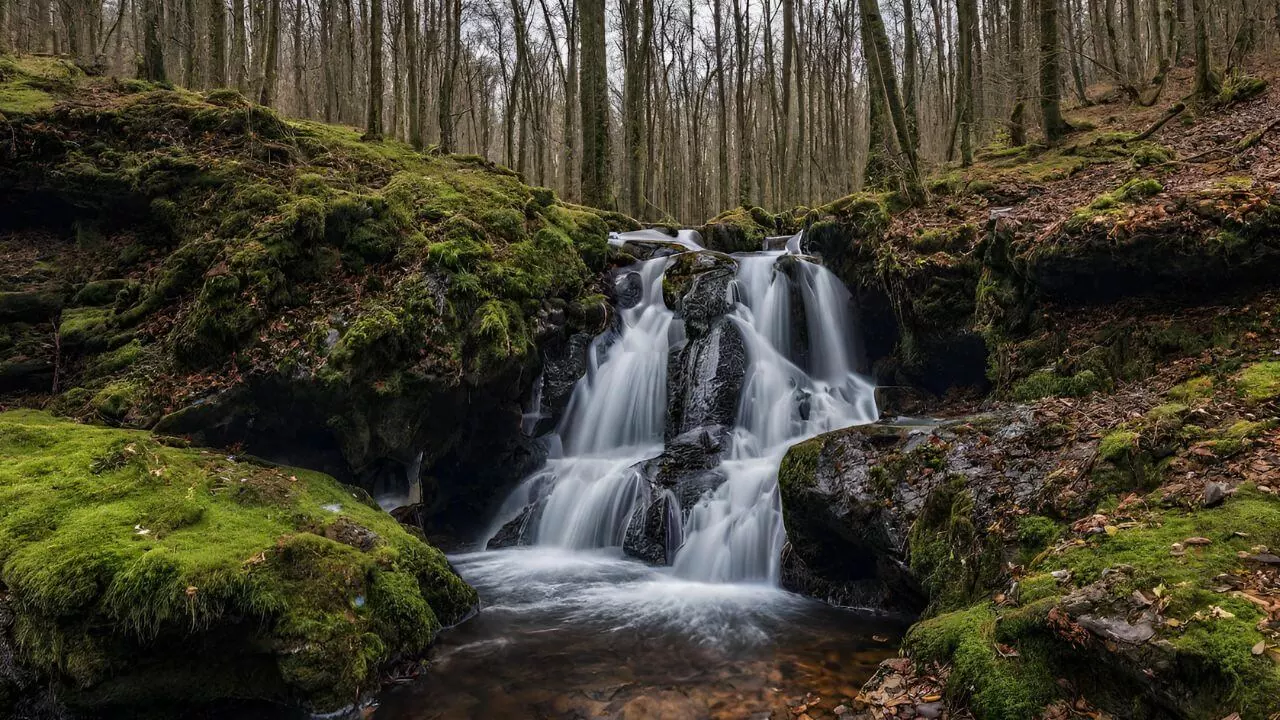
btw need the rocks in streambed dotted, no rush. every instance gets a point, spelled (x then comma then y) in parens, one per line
(145, 575)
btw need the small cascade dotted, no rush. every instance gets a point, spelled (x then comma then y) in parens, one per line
(763, 356)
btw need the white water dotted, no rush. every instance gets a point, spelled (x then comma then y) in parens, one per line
(615, 420)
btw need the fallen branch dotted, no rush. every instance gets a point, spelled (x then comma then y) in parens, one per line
(1251, 140)
(1169, 114)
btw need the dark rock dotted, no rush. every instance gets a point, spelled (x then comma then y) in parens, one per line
(31, 307)
(705, 381)
(1215, 493)
(653, 534)
(696, 286)
(519, 530)
(628, 290)
(563, 364)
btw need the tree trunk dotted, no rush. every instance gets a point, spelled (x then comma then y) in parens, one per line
(153, 49)
(722, 108)
(965, 16)
(217, 43)
(882, 59)
(239, 46)
(189, 74)
(271, 61)
(595, 104)
(411, 59)
(1017, 119)
(1206, 84)
(373, 115)
(451, 19)
(1055, 127)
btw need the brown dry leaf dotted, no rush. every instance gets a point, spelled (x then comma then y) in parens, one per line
(1260, 648)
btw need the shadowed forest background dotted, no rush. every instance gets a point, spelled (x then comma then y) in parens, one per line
(670, 110)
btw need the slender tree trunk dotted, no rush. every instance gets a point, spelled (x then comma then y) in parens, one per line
(271, 61)
(373, 119)
(239, 46)
(572, 137)
(409, 11)
(153, 48)
(964, 79)
(301, 98)
(1055, 127)
(595, 104)
(451, 20)
(1017, 119)
(910, 52)
(326, 57)
(1206, 84)
(189, 74)
(722, 108)
(217, 43)
(882, 58)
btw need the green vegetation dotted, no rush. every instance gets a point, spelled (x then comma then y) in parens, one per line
(1107, 204)
(120, 555)
(1260, 382)
(198, 243)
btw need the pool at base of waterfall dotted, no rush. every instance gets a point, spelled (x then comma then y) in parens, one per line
(575, 634)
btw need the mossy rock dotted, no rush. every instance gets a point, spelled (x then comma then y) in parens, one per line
(148, 575)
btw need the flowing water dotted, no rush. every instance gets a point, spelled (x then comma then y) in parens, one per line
(572, 628)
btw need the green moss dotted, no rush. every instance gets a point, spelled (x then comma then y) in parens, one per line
(120, 554)
(800, 465)
(1047, 383)
(1118, 445)
(1234, 438)
(1193, 390)
(85, 326)
(947, 239)
(997, 688)
(1107, 204)
(1035, 532)
(1259, 382)
(1148, 154)
(115, 400)
(1239, 87)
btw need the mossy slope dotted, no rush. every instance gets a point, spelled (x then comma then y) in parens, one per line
(195, 245)
(145, 574)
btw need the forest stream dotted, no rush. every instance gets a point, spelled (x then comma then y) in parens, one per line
(669, 450)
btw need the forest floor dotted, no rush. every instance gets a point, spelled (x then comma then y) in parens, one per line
(1112, 540)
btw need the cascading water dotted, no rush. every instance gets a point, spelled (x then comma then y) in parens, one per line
(792, 317)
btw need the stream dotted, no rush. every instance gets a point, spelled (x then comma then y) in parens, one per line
(636, 574)
(594, 635)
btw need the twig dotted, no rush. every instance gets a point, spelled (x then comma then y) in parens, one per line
(1169, 114)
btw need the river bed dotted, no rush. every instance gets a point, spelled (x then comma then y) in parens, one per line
(573, 634)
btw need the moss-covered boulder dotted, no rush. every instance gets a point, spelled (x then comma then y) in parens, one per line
(744, 229)
(281, 284)
(137, 572)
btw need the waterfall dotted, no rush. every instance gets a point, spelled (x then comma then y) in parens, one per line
(799, 378)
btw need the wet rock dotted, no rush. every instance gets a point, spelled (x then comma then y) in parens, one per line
(563, 364)
(628, 290)
(688, 454)
(518, 531)
(1215, 493)
(705, 381)
(653, 534)
(696, 288)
